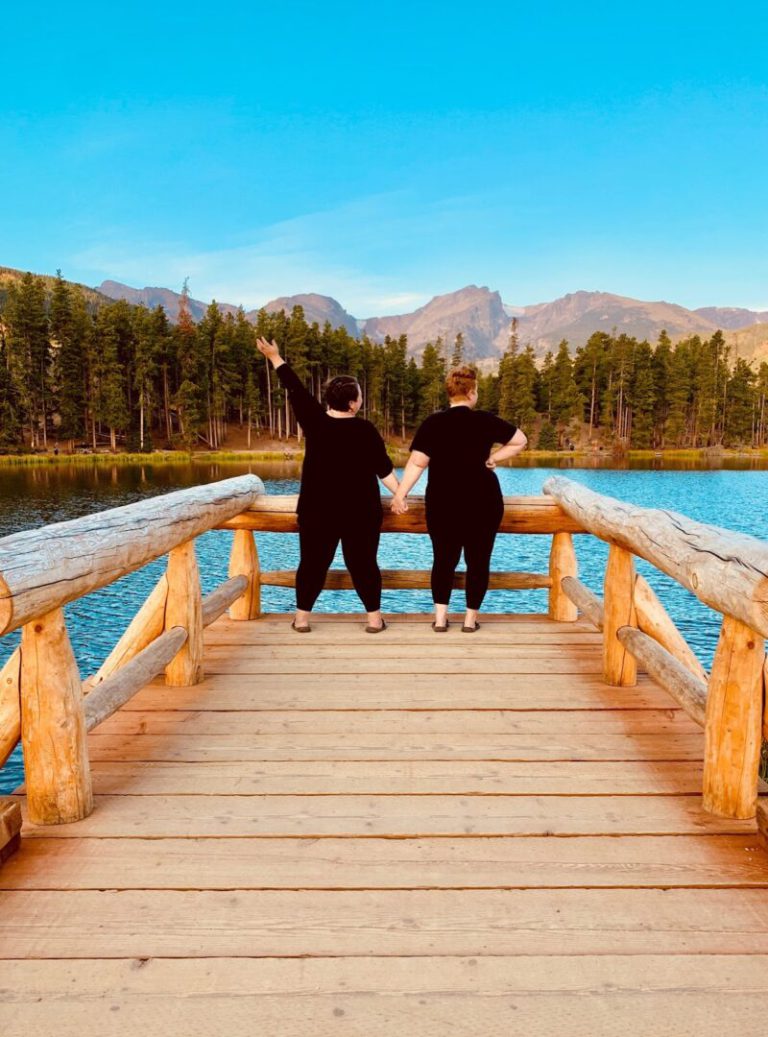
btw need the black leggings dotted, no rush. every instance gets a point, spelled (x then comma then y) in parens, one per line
(359, 545)
(475, 534)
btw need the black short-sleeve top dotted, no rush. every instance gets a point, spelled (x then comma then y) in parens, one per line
(458, 441)
(343, 460)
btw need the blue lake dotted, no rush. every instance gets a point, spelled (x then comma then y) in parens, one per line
(37, 496)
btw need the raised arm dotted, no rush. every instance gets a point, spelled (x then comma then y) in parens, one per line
(305, 406)
(511, 449)
(417, 464)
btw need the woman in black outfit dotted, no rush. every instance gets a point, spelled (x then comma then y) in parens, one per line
(339, 498)
(463, 501)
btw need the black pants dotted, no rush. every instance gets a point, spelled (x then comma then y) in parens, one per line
(473, 532)
(359, 544)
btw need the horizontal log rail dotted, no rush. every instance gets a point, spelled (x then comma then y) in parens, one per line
(412, 579)
(531, 514)
(43, 569)
(727, 571)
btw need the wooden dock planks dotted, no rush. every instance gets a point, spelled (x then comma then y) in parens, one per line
(272, 849)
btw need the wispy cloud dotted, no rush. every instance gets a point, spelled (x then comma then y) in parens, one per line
(338, 252)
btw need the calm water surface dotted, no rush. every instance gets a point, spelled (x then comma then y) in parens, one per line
(36, 496)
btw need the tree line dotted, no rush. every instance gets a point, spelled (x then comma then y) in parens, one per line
(76, 372)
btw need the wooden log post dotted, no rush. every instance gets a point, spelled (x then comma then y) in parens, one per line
(56, 768)
(10, 709)
(184, 608)
(562, 563)
(619, 667)
(244, 561)
(732, 733)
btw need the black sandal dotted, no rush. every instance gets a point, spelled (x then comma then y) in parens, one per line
(301, 630)
(376, 630)
(470, 630)
(440, 629)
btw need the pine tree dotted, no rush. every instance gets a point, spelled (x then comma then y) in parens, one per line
(566, 400)
(740, 415)
(457, 357)
(507, 375)
(189, 397)
(642, 395)
(433, 395)
(29, 352)
(71, 325)
(10, 418)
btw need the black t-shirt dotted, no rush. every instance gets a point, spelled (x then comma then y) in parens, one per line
(458, 441)
(343, 460)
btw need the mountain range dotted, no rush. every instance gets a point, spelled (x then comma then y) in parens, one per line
(485, 320)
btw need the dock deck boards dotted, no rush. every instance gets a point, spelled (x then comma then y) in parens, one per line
(403, 834)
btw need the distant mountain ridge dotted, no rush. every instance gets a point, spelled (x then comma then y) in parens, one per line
(483, 318)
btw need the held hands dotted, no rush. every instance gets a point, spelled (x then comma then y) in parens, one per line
(270, 350)
(398, 505)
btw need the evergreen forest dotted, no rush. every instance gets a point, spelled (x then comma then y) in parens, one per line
(79, 373)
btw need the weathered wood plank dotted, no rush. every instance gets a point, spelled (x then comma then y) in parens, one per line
(43, 569)
(365, 816)
(401, 721)
(342, 746)
(420, 691)
(488, 862)
(423, 777)
(52, 924)
(523, 662)
(652, 995)
(381, 997)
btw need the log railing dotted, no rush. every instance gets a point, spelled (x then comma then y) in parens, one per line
(43, 701)
(726, 571)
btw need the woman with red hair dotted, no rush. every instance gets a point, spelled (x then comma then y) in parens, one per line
(463, 500)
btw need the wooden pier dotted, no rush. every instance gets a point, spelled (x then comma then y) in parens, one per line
(410, 833)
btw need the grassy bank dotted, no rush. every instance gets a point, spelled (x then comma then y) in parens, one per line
(399, 456)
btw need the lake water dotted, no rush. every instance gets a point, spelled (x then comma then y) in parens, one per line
(36, 496)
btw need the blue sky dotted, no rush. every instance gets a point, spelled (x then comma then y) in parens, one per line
(386, 154)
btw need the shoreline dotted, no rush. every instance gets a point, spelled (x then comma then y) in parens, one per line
(399, 457)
